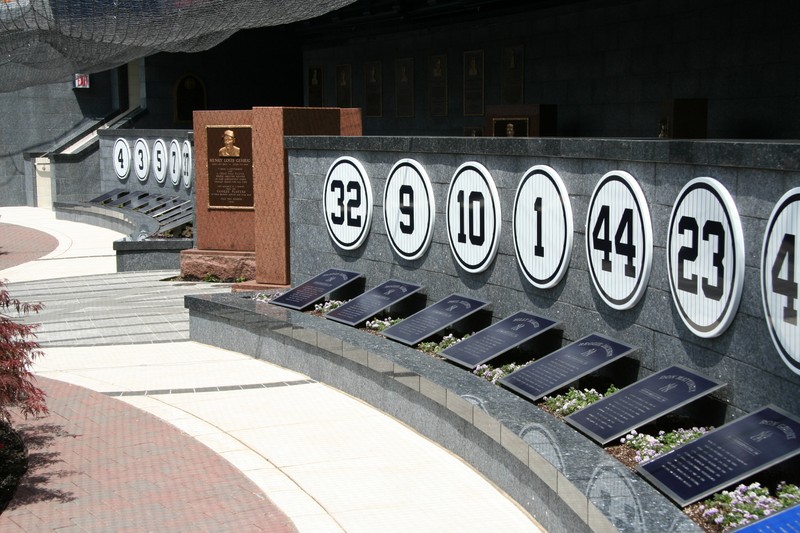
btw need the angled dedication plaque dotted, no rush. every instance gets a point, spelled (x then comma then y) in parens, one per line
(566, 365)
(725, 456)
(375, 301)
(785, 521)
(518, 329)
(433, 319)
(316, 289)
(642, 402)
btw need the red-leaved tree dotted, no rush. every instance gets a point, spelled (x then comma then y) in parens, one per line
(18, 349)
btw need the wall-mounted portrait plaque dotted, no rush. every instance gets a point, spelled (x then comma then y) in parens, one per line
(473, 83)
(316, 88)
(230, 167)
(642, 402)
(316, 289)
(487, 344)
(433, 319)
(362, 308)
(512, 75)
(725, 456)
(404, 87)
(510, 127)
(566, 365)
(344, 86)
(437, 84)
(373, 89)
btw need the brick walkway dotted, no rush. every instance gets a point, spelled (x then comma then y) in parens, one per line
(98, 464)
(19, 244)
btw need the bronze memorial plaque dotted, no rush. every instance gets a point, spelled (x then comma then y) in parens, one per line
(230, 167)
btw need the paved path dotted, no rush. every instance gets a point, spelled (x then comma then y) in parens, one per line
(152, 432)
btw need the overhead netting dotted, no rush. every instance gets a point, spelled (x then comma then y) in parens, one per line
(45, 41)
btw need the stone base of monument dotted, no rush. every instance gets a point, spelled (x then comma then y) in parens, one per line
(563, 479)
(254, 286)
(222, 264)
(149, 254)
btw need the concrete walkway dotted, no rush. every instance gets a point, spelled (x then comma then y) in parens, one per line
(133, 402)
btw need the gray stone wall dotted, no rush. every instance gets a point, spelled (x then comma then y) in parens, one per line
(756, 174)
(108, 179)
(39, 119)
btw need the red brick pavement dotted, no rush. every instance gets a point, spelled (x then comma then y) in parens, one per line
(99, 464)
(19, 244)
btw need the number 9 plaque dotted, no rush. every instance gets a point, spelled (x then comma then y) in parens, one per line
(409, 209)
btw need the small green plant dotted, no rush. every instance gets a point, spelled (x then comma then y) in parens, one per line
(380, 324)
(240, 279)
(492, 374)
(266, 296)
(747, 503)
(436, 347)
(329, 305)
(210, 278)
(574, 400)
(649, 447)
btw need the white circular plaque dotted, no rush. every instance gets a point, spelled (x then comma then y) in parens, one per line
(705, 257)
(619, 240)
(141, 159)
(473, 217)
(122, 158)
(174, 162)
(347, 203)
(186, 164)
(779, 277)
(543, 227)
(159, 160)
(409, 209)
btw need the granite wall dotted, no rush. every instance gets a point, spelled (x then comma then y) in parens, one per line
(107, 180)
(39, 119)
(756, 174)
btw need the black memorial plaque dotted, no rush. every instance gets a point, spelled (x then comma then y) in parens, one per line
(434, 319)
(784, 521)
(316, 289)
(566, 365)
(638, 404)
(724, 456)
(497, 339)
(362, 308)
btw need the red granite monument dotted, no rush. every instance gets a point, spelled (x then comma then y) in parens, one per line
(242, 187)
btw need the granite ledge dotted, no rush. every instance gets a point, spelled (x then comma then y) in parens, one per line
(601, 490)
(766, 154)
